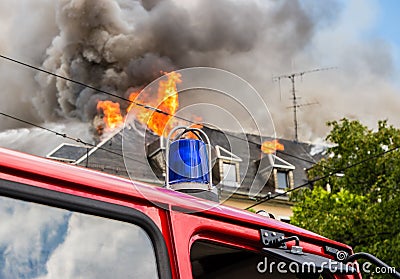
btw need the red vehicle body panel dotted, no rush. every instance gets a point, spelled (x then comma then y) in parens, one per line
(181, 218)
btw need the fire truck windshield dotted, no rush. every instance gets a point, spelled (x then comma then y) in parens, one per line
(39, 241)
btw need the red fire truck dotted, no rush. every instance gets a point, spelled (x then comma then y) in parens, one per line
(63, 221)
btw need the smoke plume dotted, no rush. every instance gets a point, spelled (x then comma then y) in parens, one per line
(114, 45)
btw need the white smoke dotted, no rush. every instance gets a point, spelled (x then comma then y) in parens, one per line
(41, 142)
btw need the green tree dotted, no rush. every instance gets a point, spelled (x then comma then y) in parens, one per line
(359, 205)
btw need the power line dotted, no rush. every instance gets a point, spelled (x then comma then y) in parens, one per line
(297, 157)
(292, 76)
(78, 140)
(323, 177)
(141, 104)
(93, 88)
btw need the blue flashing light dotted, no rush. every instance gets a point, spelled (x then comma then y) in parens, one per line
(188, 162)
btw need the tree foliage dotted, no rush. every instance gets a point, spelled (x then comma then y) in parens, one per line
(359, 205)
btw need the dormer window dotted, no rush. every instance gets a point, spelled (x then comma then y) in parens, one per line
(156, 156)
(226, 168)
(282, 172)
(282, 180)
(229, 174)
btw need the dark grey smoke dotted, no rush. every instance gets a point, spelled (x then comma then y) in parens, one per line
(114, 45)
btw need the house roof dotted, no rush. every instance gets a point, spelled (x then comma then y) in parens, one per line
(249, 150)
(300, 155)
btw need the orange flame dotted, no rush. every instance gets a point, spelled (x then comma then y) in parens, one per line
(159, 122)
(112, 114)
(166, 101)
(269, 147)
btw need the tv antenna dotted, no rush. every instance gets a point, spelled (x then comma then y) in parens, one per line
(295, 105)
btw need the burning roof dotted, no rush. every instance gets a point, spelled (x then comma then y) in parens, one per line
(160, 123)
(271, 146)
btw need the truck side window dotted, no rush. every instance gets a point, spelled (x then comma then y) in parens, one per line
(39, 241)
(210, 260)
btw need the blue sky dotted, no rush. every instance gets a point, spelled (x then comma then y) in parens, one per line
(388, 20)
(387, 26)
